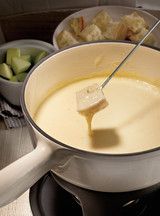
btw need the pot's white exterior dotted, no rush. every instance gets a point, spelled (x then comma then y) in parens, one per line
(106, 173)
(109, 173)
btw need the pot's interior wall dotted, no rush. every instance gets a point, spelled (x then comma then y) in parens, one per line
(88, 59)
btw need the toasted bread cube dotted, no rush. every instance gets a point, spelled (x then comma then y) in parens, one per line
(91, 33)
(110, 32)
(150, 40)
(102, 19)
(134, 22)
(90, 100)
(121, 31)
(65, 38)
(116, 31)
(77, 24)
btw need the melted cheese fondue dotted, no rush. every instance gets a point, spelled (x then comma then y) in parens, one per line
(130, 123)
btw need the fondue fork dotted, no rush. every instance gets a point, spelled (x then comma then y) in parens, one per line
(91, 99)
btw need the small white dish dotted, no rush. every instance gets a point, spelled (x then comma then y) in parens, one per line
(11, 91)
(116, 12)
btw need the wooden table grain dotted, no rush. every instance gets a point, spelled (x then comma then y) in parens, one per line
(15, 143)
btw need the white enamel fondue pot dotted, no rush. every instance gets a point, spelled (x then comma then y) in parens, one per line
(99, 172)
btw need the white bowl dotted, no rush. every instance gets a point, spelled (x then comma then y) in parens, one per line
(116, 12)
(11, 91)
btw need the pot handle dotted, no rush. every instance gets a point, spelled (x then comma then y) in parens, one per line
(17, 177)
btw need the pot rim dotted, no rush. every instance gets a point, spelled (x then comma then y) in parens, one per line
(80, 151)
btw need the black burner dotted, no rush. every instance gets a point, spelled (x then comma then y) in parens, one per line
(47, 198)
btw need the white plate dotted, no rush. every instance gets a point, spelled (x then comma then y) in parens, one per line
(116, 12)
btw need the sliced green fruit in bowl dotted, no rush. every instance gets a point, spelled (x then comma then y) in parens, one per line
(21, 77)
(5, 71)
(12, 52)
(10, 82)
(26, 57)
(39, 56)
(14, 79)
(17, 64)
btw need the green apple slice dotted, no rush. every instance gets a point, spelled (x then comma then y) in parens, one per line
(19, 65)
(26, 57)
(12, 52)
(21, 77)
(14, 79)
(5, 71)
(39, 56)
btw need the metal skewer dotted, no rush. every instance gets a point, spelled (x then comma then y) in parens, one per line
(129, 54)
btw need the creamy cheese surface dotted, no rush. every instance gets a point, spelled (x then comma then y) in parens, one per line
(130, 123)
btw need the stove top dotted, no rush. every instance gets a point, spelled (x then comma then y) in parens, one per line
(47, 198)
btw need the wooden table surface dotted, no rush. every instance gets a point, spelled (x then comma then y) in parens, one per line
(14, 143)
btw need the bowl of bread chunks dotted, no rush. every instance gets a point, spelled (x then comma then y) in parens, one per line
(106, 23)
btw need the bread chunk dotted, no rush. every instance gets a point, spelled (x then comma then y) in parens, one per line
(150, 40)
(77, 25)
(116, 31)
(134, 22)
(90, 100)
(102, 19)
(65, 38)
(91, 33)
